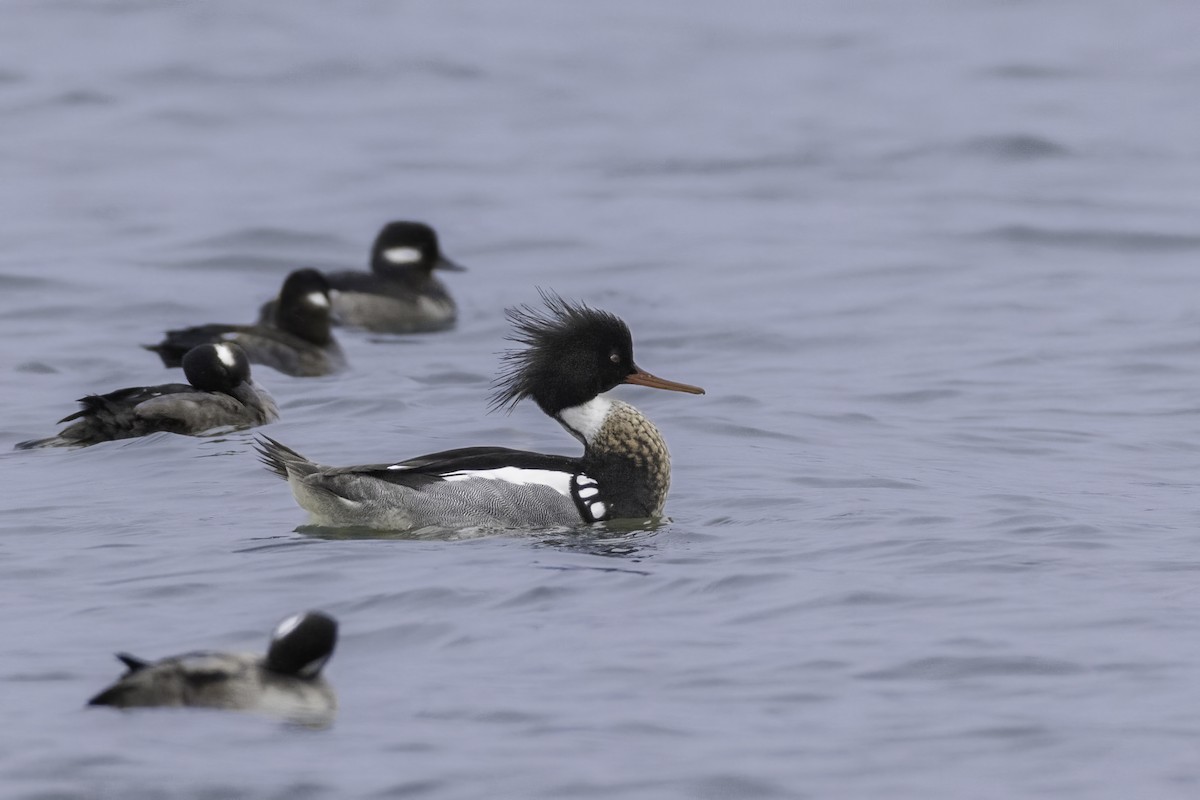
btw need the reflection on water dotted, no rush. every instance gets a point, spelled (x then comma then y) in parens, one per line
(615, 538)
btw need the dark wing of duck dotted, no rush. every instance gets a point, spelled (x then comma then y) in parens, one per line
(269, 346)
(117, 407)
(115, 415)
(423, 470)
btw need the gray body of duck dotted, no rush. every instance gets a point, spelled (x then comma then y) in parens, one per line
(219, 395)
(286, 682)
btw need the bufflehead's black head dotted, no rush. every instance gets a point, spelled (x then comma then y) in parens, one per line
(573, 353)
(307, 285)
(217, 367)
(409, 244)
(301, 644)
(304, 307)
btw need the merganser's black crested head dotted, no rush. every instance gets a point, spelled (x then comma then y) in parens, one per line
(409, 244)
(304, 308)
(573, 353)
(220, 367)
(301, 644)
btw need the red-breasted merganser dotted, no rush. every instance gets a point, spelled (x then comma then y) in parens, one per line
(573, 355)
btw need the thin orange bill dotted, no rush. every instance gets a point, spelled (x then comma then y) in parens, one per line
(643, 378)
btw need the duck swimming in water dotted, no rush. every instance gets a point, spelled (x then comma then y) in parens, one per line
(400, 294)
(286, 682)
(219, 394)
(298, 340)
(573, 355)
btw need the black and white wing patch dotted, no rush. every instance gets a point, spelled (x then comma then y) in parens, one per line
(586, 494)
(517, 467)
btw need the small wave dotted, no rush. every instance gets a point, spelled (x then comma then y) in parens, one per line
(1029, 72)
(1014, 147)
(915, 397)
(739, 431)
(531, 245)
(270, 238)
(719, 787)
(538, 595)
(83, 97)
(1005, 147)
(26, 282)
(1090, 238)
(853, 483)
(452, 378)
(848, 417)
(408, 633)
(453, 70)
(742, 582)
(439, 597)
(176, 75)
(406, 789)
(955, 667)
(35, 368)
(236, 262)
(714, 165)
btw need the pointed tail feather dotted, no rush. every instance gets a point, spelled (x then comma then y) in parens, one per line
(115, 695)
(277, 457)
(109, 697)
(132, 663)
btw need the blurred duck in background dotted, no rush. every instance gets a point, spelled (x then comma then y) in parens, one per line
(285, 683)
(400, 294)
(298, 341)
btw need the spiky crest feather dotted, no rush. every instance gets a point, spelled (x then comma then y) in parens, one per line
(542, 331)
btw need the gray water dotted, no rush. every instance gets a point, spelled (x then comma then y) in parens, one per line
(933, 529)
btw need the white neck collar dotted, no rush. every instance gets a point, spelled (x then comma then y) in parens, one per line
(585, 420)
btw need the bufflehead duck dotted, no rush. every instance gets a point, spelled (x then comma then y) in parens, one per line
(286, 682)
(573, 355)
(299, 341)
(219, 394)
(400, 294)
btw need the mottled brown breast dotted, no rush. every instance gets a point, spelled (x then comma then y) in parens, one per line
(628, 435)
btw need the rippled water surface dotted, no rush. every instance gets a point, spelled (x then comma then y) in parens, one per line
(933, 529)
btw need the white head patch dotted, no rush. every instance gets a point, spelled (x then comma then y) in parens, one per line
(225, 353)
(317, 299)
(402, 255)
(287, 626)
